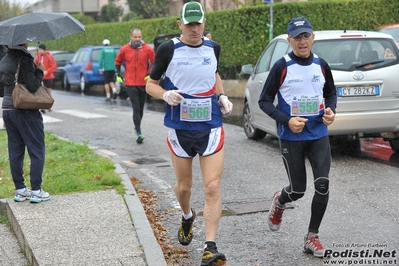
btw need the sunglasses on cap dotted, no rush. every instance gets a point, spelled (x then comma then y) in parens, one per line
(305, 36)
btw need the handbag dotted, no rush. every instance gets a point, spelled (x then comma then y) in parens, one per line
(24, 99)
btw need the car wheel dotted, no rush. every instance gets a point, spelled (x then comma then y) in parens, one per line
(394, 144)
(66, 84)
(84, 86)
(249, 129)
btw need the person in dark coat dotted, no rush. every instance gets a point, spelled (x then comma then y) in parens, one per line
(24, 126)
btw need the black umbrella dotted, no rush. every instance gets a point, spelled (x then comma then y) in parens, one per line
(38, 26)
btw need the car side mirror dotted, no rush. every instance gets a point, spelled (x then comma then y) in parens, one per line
(247, 69)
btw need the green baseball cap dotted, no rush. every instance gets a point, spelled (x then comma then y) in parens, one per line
(192, 12)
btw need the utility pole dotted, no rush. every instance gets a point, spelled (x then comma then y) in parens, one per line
(270, 25)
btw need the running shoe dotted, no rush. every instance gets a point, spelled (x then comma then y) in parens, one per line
(39, 197)
(275, 214)
(19, 197)
(185, 233)
(314, 246)
(211, 256)
(114, 96)
(140, 138)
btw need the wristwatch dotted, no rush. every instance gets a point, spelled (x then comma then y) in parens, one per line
(220, 94)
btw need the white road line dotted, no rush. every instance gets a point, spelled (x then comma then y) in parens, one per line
(81, 114)
(46, 119)
(49, 119)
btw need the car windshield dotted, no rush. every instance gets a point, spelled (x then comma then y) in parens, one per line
(63, 56)
(352, 54)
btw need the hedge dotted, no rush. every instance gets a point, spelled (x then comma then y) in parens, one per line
(243, 32)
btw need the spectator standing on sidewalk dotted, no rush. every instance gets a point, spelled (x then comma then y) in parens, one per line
(138, 57)
(301, 78)
(50, 67)
(24, 127)
(193, 91)
(106, 65)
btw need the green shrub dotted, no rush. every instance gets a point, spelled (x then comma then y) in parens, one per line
(243, 32)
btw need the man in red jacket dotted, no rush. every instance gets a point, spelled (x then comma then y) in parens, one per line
(138, 58)
(50, 67)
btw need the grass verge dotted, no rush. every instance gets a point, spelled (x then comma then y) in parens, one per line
(69, 168)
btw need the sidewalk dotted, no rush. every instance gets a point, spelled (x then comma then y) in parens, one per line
(95, 228)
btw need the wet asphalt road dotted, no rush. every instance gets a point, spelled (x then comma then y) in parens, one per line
(362, 214)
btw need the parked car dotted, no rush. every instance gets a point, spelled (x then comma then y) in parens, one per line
(61, 58)
(392, 29)
(364, 65)
(163, 38)
(83, 69)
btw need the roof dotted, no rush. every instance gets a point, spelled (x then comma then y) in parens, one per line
(334, 34)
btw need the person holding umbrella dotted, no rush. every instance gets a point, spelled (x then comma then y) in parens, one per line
(50, 67)
(24, 127)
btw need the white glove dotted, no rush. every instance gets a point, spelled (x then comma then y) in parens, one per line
(173, 97)
(117, 88)
(225, 105)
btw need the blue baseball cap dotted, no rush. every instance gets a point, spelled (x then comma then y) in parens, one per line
(299, 25)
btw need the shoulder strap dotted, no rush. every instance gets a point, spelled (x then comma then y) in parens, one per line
(17, 73)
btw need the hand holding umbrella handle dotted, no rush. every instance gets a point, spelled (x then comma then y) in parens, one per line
(40, 66)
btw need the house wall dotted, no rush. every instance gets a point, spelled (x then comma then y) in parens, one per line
(75, 6)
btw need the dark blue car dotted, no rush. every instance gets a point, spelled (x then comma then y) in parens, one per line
(83, 69)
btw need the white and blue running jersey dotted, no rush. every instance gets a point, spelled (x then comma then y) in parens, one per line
(193, 70)
(301, 94)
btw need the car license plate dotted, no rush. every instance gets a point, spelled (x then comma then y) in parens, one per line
(358, 91)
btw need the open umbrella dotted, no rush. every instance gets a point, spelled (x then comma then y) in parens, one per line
(38, 26)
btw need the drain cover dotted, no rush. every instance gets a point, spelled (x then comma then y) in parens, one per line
(149, 160)
(252, 207)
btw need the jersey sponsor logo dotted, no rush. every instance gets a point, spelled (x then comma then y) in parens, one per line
(184, 63)
(295, 79)
(316, 78)
(207, 61)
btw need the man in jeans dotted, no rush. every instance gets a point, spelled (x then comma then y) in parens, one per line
(138, 57)
(301, 78)
(25, 129)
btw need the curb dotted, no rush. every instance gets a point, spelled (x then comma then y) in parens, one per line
(152, 250)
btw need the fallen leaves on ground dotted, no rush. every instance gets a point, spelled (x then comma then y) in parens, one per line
(172, 254)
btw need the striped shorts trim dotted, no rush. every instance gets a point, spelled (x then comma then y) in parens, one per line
(189, 143)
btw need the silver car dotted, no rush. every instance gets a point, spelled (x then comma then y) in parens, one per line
(365, 67)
